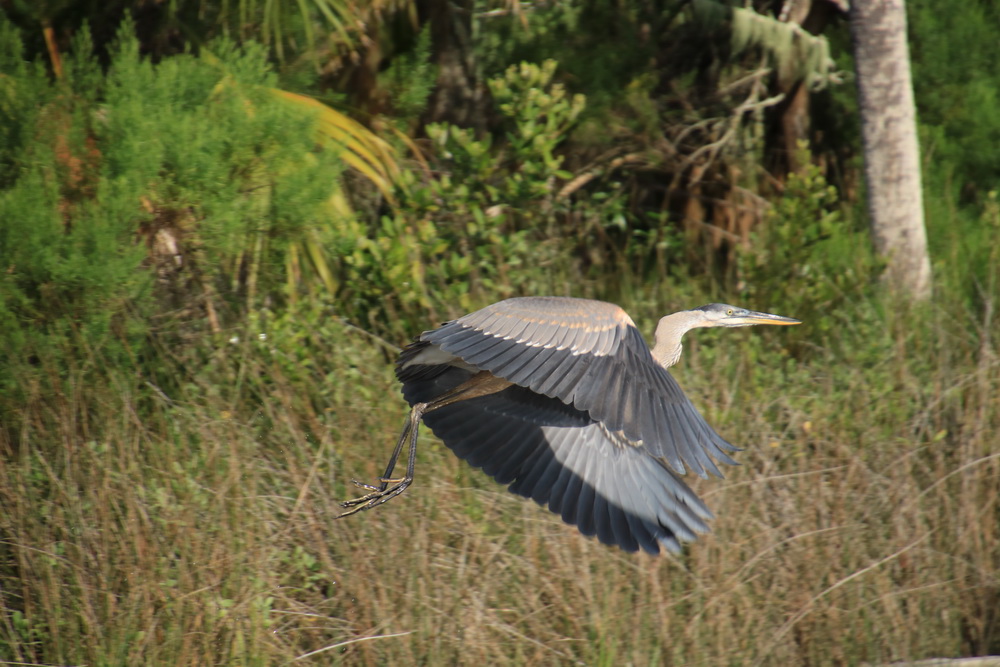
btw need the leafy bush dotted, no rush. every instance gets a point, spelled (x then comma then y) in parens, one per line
(956, 88)
(481, 223)
(806, 242)
(154, 200)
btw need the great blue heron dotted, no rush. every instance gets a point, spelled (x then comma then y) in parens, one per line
(562, 399)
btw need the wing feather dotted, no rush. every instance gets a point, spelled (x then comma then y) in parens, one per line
(601, 341)
(559, 456)
(565, 339)
(563, 480)
(524, 366)
(647, 533)
(509, 355)
(590, 392)
(602, 513)
(567, 383)
(554, 370)
(618, 518)
(585, 501)
(465, 344)
(540, 478)
(588, 354)
(505, 327)
(530, 334)
(615, 388)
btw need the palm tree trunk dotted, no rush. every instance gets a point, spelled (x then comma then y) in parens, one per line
(888, 128)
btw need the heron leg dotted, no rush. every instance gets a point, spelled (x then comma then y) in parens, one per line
(412, 424)
(384, 492)
(481, 384)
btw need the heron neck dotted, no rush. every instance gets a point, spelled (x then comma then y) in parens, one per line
(669, 332)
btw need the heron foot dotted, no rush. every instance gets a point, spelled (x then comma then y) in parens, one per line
(360, 484)
(378, 495)
(385, 481)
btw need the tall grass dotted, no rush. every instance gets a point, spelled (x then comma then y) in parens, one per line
(863, 525)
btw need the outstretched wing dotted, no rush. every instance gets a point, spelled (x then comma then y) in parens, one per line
(559, 456)
(588, 354)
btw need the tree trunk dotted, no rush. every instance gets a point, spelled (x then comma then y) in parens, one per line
(888, 129)
(789, 121)
(459, 97)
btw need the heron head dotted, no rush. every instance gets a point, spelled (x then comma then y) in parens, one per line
(724, 315)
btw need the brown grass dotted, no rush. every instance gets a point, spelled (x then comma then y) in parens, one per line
(863, 525)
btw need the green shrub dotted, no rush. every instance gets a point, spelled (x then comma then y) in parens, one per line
(482, 224)
(806, 256)
(153, 200)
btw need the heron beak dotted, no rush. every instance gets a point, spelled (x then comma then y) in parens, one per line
(753, 317)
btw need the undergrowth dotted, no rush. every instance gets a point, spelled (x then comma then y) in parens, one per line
(863, 524)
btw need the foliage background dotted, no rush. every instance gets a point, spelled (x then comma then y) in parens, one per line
(218, 222)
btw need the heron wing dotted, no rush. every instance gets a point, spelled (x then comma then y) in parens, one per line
(590, 355)
(559, 456)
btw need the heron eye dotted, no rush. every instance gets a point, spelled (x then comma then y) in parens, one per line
(729, 312)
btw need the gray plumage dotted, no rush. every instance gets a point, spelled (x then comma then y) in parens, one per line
(580, 414)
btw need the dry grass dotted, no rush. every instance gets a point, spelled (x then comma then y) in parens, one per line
(863, 526)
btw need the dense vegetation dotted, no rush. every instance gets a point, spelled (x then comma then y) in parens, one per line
(204, 276)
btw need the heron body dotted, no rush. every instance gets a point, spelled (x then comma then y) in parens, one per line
(563, 400)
